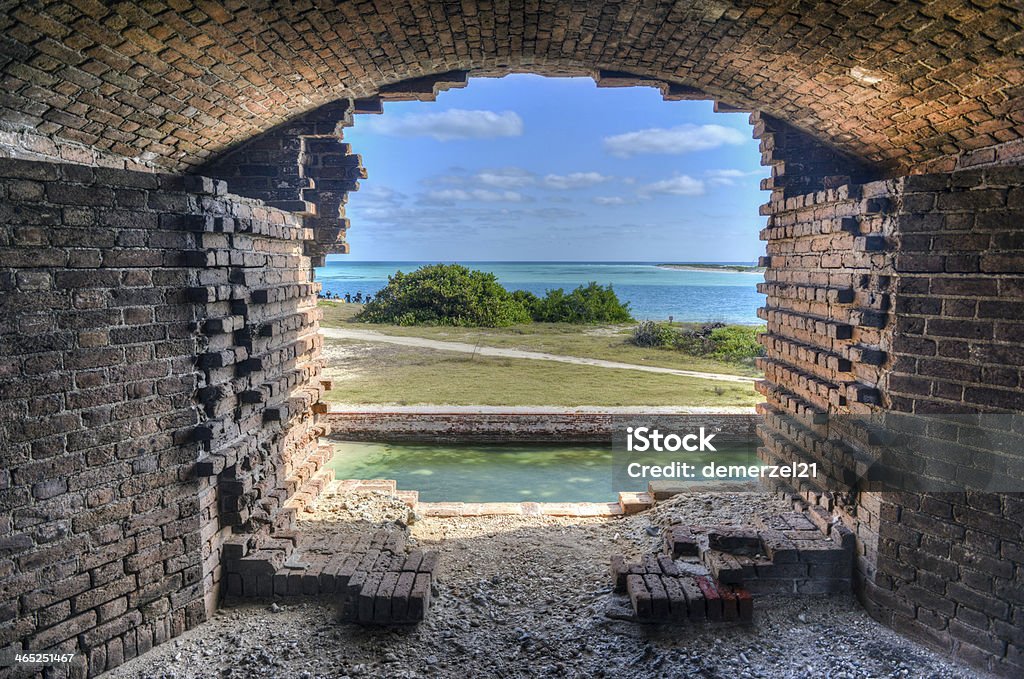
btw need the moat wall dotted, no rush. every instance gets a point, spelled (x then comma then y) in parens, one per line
(550, 427)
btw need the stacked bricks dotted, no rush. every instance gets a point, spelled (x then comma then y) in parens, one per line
(781, 554)
(712, 573)
(660, 590)
(132, 332)
(303, 167)
(373, 578)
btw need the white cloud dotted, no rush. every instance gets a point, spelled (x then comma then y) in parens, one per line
(610, 200)
(574, 180)
(675, 140)
(506, 178)
(452, 196)
(378, 195)
(451, 124)
(682, 185)
(728, 177)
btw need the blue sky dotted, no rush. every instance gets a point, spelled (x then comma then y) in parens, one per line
(528, 168)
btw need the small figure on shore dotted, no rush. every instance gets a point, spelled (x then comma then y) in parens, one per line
(348, 298)
(359, 297)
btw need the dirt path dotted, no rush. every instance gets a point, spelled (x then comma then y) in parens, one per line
(341, 407)
(373, 336)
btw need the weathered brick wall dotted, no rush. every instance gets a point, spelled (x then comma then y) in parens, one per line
(954, 562)
(960, 292)
(100, 417)
(175, 84)
(301, 166)
(828, 332)
(905, 296)
(150, 322)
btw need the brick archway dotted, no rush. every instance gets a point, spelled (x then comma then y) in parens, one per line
(898, 86)
(163, 404)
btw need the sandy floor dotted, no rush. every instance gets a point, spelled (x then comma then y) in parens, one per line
(526, 597)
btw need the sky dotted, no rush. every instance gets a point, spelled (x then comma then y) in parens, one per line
(527, 168)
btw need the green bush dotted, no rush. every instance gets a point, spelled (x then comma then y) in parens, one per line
(445, 294)
(735, 343)
(654, 334)
(591, 303)
(529, 301)
(731, 343)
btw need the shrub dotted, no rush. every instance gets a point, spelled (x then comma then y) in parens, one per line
(735, 343)
(529, 301)
(445, 294)
(697, 341)
(654, 334)
(731, 343)
(591, 303)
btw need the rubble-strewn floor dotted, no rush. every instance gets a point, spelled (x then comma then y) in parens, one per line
(526, 597)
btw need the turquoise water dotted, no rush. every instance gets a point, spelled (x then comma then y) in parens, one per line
(473, 472)
(652, 292)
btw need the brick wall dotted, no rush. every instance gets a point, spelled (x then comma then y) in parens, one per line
(954, 563)
(175, 84)
(151, 322)
(303, 167)
(905, 296)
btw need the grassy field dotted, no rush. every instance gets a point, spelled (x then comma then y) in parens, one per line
(608, 342)
(386, 373)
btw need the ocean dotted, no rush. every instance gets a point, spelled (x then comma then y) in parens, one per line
(653, 292)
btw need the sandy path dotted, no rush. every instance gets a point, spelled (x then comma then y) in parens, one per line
(373, 336)
(341, 407)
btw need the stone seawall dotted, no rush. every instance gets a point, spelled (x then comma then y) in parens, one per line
(544, 427)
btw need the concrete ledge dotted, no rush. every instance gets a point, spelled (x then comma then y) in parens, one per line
(520, 426)
(454, 509)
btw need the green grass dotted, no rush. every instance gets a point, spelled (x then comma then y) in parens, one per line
(408, 375)
(607, 342)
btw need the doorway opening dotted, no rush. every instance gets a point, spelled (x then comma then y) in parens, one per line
(526, 192)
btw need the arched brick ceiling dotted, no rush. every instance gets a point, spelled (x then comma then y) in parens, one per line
(175, 82)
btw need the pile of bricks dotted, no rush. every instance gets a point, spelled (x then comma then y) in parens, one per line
(781, 554)
(711, 573)
(663, 590)
(374, 578)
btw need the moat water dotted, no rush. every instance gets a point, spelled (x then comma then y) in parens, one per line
(499, 472)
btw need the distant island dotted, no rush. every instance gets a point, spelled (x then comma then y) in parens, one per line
(715, 268)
